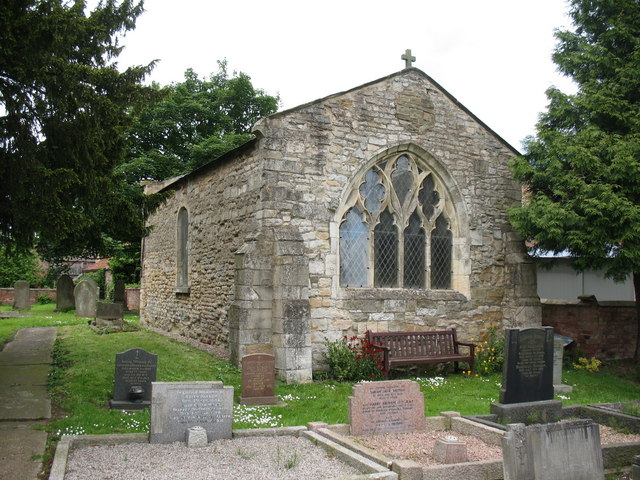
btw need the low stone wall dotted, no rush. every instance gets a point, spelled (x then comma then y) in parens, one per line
(605, 330)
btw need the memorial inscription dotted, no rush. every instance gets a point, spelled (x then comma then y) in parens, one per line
(386, 407)
(178, 406)
(528, 365)
(135, 370)
(258, 379)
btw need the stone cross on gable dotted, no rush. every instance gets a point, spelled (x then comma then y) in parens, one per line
(408, 58)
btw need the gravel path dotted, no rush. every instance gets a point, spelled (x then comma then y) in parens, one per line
(250, 458)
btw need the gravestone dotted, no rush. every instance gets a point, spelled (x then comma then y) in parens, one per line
(558, 354)
(118, 291)
(64, 293)
(21, 295)
(554, 451)
(109, 314)
(392, 406)
(258, 379)
(526, 395)
(635, 468)
(528, 365)
(86, 296)
(178, 406)
(135, 370)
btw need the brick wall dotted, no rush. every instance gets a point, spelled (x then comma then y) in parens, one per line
(605, 330)
(6, 294)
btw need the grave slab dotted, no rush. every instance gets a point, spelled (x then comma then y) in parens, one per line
(135, 370)
(391, 406)
(528, 365)
(64, 293)
(553, 451)
(178, 406)
(21, 297)
(258, 380)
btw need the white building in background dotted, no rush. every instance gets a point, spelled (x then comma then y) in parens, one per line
(563, 282)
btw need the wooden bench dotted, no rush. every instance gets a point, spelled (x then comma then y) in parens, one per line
(411, 348)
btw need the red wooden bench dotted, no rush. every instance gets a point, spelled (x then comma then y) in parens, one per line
(411, 348)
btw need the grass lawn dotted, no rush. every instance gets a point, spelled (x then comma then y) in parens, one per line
(81, 381)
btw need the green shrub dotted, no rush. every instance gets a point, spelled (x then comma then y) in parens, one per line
(43, 299)
(353, 360)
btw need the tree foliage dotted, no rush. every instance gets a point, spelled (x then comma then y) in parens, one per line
(64, 113)
(582, 169)
(196, 121)
(19, 266)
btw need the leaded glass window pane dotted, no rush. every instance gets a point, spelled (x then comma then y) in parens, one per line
(372, 191)
(402, 179)
(441, 246)
(428, 196)
(354, 250)
(414, 253)
(386, 251)
(182, 259)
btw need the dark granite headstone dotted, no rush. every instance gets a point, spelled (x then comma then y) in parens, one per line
(64, 293)
(118, 291)
(528, 365)
(21, 295)
(258, 379)
(178, 406)
(135, 370)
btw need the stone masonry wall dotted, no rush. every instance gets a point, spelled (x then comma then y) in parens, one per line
(297, 176)
(310, 154)
(222, 208)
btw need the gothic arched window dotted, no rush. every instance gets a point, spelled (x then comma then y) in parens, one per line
(394, 232)
(182, 240)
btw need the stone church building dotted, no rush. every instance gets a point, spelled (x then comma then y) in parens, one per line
(383, 207)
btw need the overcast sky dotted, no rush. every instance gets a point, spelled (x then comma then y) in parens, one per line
(494, 56)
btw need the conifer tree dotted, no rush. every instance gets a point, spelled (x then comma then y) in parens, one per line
(581, 170)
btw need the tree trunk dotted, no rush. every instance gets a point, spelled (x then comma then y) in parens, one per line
(636, 287)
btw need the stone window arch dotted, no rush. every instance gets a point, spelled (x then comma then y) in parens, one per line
(397, 227)
(182, 253)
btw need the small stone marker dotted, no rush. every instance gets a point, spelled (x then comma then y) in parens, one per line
(392, 406)
(528, 365)
(450, 449)
(109, 314)
(178, 406)
(135, 370)
(64, 293)
(258, 379)
(196, 437)
(86, 295)
(553, 451)
(558, 354)
(21, 295)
